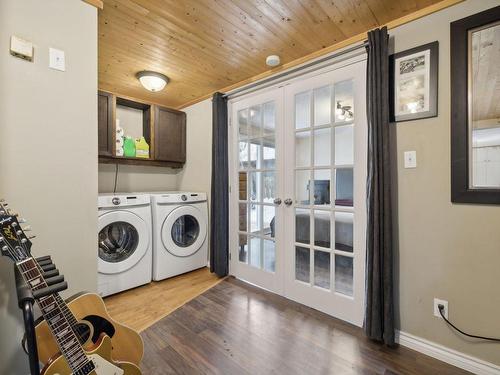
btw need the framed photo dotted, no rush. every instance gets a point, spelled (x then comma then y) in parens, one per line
(414, 81)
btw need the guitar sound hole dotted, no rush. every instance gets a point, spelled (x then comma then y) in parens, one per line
(83, 331)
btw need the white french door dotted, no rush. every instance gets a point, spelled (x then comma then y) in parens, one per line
(298, 190)
(256, 163)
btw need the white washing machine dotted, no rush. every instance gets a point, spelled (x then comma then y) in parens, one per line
(180, 226)
(125, 243)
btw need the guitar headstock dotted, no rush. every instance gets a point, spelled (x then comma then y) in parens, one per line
(13, 241)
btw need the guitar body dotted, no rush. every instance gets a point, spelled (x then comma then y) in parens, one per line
(89, 309)
(100, 356)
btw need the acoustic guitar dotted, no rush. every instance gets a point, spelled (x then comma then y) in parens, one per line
(73, 358)
(89, 318)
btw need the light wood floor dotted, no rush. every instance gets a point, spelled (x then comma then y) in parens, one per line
(140, 307)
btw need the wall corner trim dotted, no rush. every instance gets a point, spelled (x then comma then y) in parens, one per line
(453, 357)
(97, 3)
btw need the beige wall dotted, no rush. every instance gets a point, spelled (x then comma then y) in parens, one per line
(196, 174)
(449, 251)
(446, 251)
(48, 151)
(133, 178)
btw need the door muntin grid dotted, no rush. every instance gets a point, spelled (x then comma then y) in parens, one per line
(257, 183)
(324, 126)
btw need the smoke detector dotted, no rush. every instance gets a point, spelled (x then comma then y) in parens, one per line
(273, 60)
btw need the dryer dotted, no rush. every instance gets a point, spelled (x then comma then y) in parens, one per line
(124, 242)
(180, 226)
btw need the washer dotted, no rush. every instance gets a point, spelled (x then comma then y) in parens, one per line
(180, 226)
(125, 244)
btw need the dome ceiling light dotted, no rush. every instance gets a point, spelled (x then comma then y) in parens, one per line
(152, 81)
(273, 60)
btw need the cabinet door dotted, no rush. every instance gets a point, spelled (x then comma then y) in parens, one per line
(105, 124)
(170, 135)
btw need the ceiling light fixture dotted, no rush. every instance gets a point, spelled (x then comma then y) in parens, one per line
(272, 60)
(152, 81)
(343, 112)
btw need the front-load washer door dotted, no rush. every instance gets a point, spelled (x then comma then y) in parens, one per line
(184, 231)
(123, 241)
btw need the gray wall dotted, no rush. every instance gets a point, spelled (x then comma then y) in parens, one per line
(449, 251)
(445, 250)
(48, 152)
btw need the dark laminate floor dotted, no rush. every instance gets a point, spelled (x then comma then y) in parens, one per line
(235, 328)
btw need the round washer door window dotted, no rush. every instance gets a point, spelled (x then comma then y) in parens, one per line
(123, 240)
(184, 231)
(117, 241)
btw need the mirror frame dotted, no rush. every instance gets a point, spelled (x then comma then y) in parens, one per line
(459, 43)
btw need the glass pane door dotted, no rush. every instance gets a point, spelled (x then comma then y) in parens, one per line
(298, 176)
(254, 130)
(326, 172)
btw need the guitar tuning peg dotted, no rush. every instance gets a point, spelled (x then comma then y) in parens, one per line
(31, 237)
(27, 228)
(22, 220)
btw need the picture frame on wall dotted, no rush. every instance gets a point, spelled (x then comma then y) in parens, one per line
(414, 83)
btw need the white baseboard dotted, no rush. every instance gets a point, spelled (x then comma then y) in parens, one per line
(453, 357)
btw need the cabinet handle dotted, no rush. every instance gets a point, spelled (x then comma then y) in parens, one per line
(288, 201)
(277, 201)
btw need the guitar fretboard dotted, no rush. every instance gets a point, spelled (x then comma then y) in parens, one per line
(58, 319)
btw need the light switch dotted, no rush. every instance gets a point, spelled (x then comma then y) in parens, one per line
(57, 60)
(410, 159)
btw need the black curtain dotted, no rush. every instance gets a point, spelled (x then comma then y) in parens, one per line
(379, 314)
(219, 206)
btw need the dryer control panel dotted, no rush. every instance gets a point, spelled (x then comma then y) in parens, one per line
(180, 197)
(122, 200)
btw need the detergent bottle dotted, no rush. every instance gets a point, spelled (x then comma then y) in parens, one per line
(141, 148)
(129, 147)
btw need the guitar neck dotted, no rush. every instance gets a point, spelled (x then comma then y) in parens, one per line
(53, 309)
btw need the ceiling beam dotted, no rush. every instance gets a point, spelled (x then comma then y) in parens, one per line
(324, 51)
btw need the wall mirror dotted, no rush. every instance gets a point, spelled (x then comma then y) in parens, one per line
(475, 109)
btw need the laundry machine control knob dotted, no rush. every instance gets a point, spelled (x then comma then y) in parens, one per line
(184, 197)
(116, 201)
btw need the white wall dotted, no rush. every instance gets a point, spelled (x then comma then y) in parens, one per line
(48, 151)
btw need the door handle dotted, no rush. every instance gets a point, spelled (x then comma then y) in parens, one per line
(277, 201)
(288, 201)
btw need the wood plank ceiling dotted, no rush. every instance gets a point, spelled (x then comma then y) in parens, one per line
(206, 45)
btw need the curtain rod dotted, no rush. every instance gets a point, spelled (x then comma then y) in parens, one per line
(283, 76)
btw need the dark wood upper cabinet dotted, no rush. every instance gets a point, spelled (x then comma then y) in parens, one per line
(163, 128)
(170, 135)
(105, 126)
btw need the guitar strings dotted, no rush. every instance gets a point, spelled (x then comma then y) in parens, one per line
(16, 258)
(27, 252)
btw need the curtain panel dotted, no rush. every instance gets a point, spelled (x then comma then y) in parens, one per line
(379, 313)
(219, 207)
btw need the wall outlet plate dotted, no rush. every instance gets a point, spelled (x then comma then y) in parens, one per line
(443, 302)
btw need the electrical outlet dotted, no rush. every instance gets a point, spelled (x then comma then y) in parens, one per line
(437, 302)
